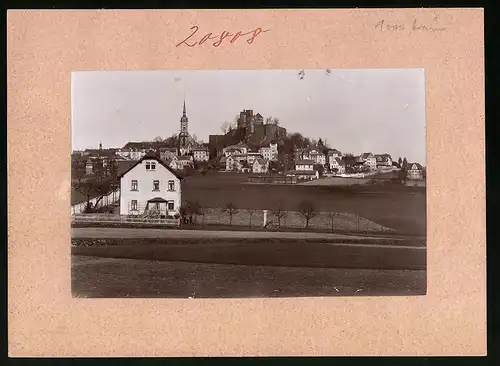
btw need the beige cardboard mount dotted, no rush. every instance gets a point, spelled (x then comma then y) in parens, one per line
(44, 47)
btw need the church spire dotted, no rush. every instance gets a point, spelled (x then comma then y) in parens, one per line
(184, 108)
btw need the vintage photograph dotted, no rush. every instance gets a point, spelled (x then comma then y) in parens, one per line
(248, 183)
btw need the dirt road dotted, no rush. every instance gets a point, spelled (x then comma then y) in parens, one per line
(103, 233)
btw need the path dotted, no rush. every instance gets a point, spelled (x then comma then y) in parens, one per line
(104, 233)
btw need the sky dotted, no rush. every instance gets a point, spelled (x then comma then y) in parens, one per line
(355, 111)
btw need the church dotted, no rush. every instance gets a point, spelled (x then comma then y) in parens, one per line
(185, 144)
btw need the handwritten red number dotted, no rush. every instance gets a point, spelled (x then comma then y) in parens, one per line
(225, 34)
(192, 34)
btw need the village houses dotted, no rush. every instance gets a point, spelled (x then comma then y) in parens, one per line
(384, 161)
(316, 156)
(149, 185)
(181, 162)
(368, 160)
(260, 166)
(200, 153)
(415, 171)
(168, 154)
(251, 156)
(270, 152)
(337, 165)
(304, 165)
(240, 149)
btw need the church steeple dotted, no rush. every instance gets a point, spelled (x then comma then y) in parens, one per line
(183, 134)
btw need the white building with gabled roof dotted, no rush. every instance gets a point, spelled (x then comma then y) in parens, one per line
(149, 185)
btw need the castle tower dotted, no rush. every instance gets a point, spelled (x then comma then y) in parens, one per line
(183, 134)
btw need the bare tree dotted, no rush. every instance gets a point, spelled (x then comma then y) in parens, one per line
(158, 139)
(279, 212)
(332, 216)
(251, 211)
(194, 210)
(203, 212)
(308, 210)
(231, 210)
(225, 127)
(275, 121)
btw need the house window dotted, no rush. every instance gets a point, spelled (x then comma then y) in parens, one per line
(135, 186)
(133, 205)
(157, 205)
(148, 165)
(156, 185)
(170, 205)
(153, 166)
(171, 186)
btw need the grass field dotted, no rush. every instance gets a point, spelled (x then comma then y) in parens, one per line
(131, 278)
(266, 252)
(394, 206)
(293, 219)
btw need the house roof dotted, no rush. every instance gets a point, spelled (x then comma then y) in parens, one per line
(419, 167)
(333, 151)
(260, 161)
(304, 162)
(365, 155)
(148, 156)
(200, 148)
(382, 157)
(185, 157)
(340, 161)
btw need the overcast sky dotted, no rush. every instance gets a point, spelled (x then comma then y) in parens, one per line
(356, 111)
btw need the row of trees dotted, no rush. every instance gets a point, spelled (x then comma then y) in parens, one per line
(191, 210)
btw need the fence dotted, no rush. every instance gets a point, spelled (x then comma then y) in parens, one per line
(120, 219)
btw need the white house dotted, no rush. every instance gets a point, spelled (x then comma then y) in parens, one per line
(234, 163)
(149, 185)
(369, 160)
(415, 171)
(304, 165)
(260, 166)
(200, 153)
(180, 162)
(251, 156)
(270, 152)
(337, 165)
(317, 157)
(383, 161)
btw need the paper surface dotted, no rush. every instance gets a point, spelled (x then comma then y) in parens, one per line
(44, 47)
